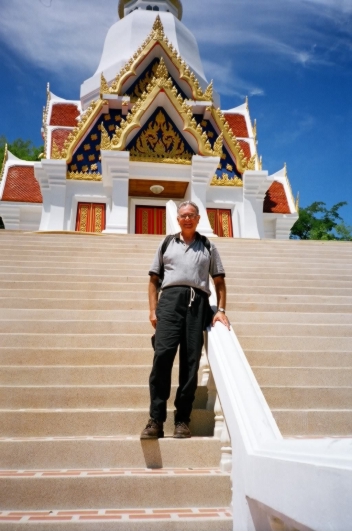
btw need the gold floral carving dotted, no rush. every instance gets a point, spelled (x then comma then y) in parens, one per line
(81, 129)
(83, 218)
(225, 224)
(162, 81)
(56, 154)
(105, 143)
(160, 141)
(82, 176)
(6, 156)
(233, 144)
(158, 36)
(45, 120)
(226, 181)
(98, 219)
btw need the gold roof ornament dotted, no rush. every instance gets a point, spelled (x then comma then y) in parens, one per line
(226, 181)
(233, 144)
(56, 153)
(163, 82)
(6, 156)
(81, 129)
(176, 3)
(157, 35)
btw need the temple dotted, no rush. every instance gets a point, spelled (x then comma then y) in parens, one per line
(147, 132)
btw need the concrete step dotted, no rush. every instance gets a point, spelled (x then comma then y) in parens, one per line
(314, 423)
(76, 340)
(131, 303)
(327, 344)
(123, 488)
(55, 314)
(83, 283)
(75, 357)
(108, 452)
(291, 329)
(80, 327)
(235, 289)
(92, 422)
(154, 519)
(304, 376)
(254, 318)
(75, 293)
(86, 375)
(79, 396)
(295, 397)
(302, 359)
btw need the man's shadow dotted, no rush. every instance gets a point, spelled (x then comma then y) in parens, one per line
(152, 453)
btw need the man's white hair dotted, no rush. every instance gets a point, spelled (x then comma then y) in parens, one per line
(188, 203)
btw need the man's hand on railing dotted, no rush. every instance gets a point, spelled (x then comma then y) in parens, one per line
(222, 318)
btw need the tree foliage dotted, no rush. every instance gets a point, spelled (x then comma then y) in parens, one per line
(23, 149)
(317, 222)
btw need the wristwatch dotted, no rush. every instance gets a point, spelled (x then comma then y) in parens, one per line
(222, 310)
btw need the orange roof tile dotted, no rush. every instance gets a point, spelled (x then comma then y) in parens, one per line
(246, 148)
(237, 122)
(64, 114)
(59, 136)
(275, 201)
(21, 186)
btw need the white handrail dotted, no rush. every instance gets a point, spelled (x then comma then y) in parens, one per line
(305, 482)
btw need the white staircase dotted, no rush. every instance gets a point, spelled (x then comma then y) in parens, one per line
(75, 356)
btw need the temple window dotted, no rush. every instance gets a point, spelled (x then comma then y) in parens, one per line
(155, 8)
(149, 8)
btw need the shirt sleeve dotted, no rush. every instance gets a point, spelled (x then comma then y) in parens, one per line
(157, 262)
(216, 268)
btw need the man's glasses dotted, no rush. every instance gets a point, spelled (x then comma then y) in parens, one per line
(189, 216)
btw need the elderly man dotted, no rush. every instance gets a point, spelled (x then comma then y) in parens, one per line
(180, 316)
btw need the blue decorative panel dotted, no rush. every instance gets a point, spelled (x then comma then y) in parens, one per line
(87, 158)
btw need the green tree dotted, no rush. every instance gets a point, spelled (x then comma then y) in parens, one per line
(316, 222)
(23, 149)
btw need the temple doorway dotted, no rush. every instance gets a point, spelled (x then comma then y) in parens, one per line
(220, 221)
(150, 220)
(90, 217)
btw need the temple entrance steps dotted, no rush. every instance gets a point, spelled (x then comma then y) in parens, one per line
(75, 356)
(290, 303)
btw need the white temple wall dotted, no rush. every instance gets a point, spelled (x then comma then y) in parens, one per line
(21, 216)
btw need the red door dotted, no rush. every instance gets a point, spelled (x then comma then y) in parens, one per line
(150, 220)
(220, 221)
(90, 217)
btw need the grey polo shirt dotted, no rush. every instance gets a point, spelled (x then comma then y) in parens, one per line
(187, 265)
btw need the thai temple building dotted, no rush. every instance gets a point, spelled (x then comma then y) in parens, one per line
(147, 132)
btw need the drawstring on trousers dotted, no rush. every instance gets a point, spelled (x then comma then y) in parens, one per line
(192, 297)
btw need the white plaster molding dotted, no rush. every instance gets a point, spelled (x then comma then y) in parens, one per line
(284, 224)
(172, 226)
(310, 480)
(116, 169)
(203, 169)
(51, 175)
(255, 186)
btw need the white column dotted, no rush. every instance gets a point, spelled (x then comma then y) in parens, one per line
(10, 213)
(43, 181)
(203, 169)
(52, 180)
(116, 172)
(284, 225)
(255, 186)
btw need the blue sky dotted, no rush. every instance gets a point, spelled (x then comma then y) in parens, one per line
(293, 58)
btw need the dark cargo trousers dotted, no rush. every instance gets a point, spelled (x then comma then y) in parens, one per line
(180, 322)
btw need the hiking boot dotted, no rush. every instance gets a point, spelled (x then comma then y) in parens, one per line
(153, 430)
(182, 431)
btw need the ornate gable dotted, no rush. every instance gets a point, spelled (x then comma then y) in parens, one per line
(162, 84)
(157, 38)
(160, 141)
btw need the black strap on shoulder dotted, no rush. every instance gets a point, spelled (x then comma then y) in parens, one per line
(168, 239)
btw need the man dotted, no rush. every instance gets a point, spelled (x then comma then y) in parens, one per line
(180, 316)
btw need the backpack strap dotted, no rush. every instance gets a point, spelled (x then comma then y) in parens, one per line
(168, 239)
